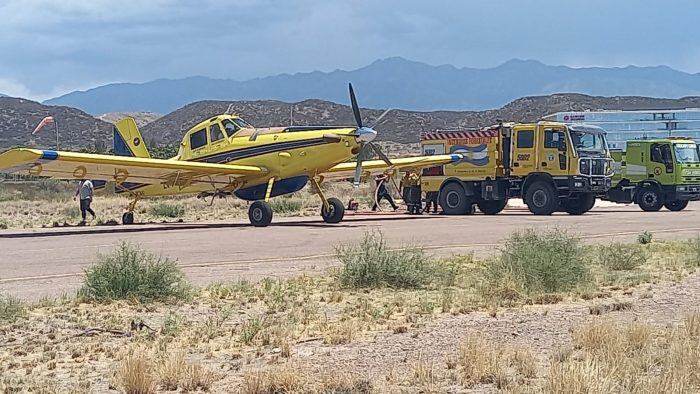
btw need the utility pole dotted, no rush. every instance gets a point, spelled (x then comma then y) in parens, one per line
(291, 114)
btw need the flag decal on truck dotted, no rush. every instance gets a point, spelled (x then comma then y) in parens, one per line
(474, 155)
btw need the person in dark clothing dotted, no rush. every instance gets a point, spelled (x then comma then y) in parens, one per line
(431, 198)
(383, 193)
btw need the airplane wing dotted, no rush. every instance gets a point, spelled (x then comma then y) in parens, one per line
(120, 169)
(374, 167)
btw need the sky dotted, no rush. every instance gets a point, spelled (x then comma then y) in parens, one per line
(48, 48)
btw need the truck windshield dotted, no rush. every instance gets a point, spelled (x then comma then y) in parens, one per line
(686, 153)
(589, 142)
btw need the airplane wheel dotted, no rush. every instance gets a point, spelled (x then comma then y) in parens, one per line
(260, 214)
(677, 205)
(335, 213)
(128, 218)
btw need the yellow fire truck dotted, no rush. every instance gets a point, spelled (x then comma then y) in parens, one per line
(551, 166)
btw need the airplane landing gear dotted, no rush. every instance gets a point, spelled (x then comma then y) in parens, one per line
(332, 210)
(260, 214)
(335, 211)
(128, 216)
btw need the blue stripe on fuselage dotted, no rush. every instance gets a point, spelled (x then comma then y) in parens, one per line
(283, 186)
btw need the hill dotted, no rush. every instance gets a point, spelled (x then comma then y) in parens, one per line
(141, 118)
(394, 83)
(77, 130)
(397, 125)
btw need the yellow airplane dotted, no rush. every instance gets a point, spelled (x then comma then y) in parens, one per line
(224, 155)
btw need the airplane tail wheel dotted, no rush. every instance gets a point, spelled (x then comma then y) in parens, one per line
(335, 211)
(260, 214)
(128, 218)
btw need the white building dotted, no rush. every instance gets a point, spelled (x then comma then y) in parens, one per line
(622, 126)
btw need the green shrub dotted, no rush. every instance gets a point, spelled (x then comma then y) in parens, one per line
(11, 309)
(693, 252)
(132, 273)
(286, 205)
(644, 237)
(534, 262)
(370, 263)
(3, 225)
(168, 210)
(622, 257)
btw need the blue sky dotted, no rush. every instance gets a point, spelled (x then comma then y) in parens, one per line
(52, 47)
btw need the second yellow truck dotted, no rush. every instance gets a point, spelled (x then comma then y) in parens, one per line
(551, 166)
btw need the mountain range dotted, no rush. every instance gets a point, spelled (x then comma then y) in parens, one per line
(79, 130)
(394, 83)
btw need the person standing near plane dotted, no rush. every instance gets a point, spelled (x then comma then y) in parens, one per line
(382, 192)
(85, 192)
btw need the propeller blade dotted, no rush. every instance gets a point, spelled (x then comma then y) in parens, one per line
(355, 107)
(380, 154)
(376, 121)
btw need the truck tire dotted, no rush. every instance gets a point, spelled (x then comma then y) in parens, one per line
(454, 201)
(579, 205)
(650, 199)
(491, 207)
(541, 198)
(677, 205)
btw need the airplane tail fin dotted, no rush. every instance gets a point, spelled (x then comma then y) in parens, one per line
(128, 140)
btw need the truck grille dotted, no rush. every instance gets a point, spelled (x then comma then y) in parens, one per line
(598, 167)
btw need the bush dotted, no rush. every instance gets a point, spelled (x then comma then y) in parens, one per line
(132, 273)
(621, 257)
(369, 263)
(693, 253)
(168, 210)
(11, 309)
(286, 205)
(534, 262)
(644, 237)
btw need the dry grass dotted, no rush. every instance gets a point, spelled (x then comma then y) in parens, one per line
(227, 332)
(53, 205)
(135, 373)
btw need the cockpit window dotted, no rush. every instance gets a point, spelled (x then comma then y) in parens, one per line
(242, 123)
(230, 127)
(215, 133)
(198, 139)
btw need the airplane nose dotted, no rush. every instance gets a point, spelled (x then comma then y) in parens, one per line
(366, 134)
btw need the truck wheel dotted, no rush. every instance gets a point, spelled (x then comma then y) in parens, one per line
(541, 198)
(260, 214)
(650, 199)
(579, 205)
(335, 212)
(676, 206)
(454, 201)
(491, 207)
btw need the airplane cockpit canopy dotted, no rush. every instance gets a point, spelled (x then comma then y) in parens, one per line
(233, 125)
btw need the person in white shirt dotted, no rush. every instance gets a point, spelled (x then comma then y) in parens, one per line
(85, 192)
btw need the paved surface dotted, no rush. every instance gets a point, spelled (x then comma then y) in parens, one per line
(35, 263)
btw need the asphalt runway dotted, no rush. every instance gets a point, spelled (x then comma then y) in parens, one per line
(49, 262)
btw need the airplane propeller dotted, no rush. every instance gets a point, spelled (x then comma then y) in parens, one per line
(365, 135)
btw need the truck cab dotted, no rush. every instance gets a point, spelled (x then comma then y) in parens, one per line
(550, 165)
(657, 173)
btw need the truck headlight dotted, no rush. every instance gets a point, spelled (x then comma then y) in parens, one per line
(608, 167)
(681, 188)
(584, 166)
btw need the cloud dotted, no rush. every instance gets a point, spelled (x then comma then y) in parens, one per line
(51, 46)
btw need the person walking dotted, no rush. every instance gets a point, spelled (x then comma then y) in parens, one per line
(85, 192)
(431, 198)
(382, 192)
